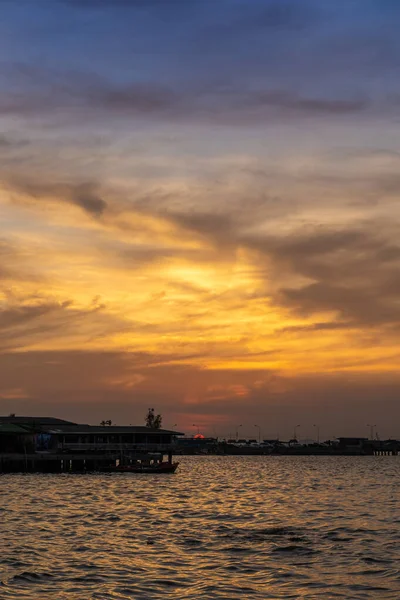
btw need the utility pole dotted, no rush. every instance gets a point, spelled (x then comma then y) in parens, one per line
(317, 427)
(237, 431)
(259, 433)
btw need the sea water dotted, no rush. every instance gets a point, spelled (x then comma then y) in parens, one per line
(222, 527)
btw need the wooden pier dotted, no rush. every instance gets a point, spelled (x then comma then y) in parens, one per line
(72, 463)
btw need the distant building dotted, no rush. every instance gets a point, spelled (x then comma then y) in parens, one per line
(195, 444)
(352, 442)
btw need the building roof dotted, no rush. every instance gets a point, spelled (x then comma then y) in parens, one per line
(34, 421)
(11, 428)
(108, 429)
(54, 425)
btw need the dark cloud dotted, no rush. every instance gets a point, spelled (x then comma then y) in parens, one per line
(213, 225)
(324, 326)
(287, 101)
(229, 62)
(10, 147)
(4, 142)
(35, 91)
(364, 304)
(268, 14)
(21, 315)
(85, 195)
(353, 273)
(141, 99)
(35, 319)
(77, 95)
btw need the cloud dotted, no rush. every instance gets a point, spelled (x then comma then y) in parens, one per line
(351, 272)
(4, 142)
(33, 321)
(126, 5)
(291, 102)
(21, 315)
(85, 195)
(45, 93)
(364, 304)
(86, 386)
(213, 225)
(269, 14)
(324, 326)
(14, 267)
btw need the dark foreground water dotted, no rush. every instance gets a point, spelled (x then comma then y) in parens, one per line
(234, 527)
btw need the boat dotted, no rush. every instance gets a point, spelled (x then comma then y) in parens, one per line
(162, 467)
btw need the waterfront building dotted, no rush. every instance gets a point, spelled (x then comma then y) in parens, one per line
(28, 442)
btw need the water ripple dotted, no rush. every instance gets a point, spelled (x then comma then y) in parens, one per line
(222, 527)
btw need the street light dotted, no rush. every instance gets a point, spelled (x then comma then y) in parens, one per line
(371, 430)
(294, 432)
(317, 426)
(259, 433)
(237, 431)
(198, 428)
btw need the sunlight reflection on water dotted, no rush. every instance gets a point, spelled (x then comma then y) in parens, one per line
(222, 527)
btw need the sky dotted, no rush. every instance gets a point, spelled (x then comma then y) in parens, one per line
(199, 211)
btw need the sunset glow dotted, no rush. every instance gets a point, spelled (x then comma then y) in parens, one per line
(218, 237)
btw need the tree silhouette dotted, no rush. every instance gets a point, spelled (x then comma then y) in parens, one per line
(152, 420)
